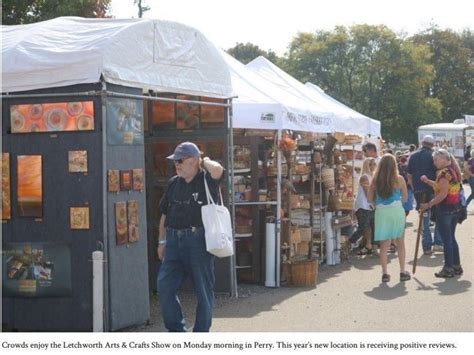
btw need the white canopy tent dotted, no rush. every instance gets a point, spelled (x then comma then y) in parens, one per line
(149, 54)
(262, 105)
(344, 121)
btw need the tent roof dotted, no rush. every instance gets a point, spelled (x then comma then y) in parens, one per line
(343, 110)
(260, 104)
(149, 54)
(344, 120)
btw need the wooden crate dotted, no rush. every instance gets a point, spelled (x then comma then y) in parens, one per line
(303, 273)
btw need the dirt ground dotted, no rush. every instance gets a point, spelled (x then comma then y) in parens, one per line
(350, 297)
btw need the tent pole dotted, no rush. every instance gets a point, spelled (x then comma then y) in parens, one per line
(278, 213)
(233, 271)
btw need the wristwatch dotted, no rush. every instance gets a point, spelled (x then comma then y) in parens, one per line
(162, 242)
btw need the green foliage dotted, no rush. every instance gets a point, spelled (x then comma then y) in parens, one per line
(372, 70)
(452, 60)
(247, 52)
(16, 12)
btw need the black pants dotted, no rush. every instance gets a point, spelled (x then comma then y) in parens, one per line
(365, 220)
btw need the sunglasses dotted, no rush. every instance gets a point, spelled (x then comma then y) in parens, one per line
(180, 161)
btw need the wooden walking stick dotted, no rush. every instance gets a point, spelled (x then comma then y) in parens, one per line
(418, 235)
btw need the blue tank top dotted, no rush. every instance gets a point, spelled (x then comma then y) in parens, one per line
(395, 196)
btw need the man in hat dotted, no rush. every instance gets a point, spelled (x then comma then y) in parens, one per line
(419, 164)
(182, 245)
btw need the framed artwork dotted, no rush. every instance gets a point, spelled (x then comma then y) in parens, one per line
(187, 114)
(52, 117)
(78, 161)
(6, 199)
(79, 217)
(163, 114)
(132, 214)
(126, 180)
(29, 186)
(138, 178)
(36, 270)
(212, 116)
(113, 177)
(124, 121)
(121, 223)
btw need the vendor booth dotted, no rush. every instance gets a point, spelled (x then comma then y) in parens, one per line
(90, 108)
(296, 156)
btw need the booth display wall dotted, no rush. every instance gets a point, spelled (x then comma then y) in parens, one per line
(125, 269)
(61, 190)
(128, 264)
(161, 142)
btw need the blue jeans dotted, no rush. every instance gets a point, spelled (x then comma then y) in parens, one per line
(427, 239)
(186, 255)
(447, 222)
(471, 196)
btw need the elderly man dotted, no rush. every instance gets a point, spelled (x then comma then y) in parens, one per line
(182, 245)
(419, 164)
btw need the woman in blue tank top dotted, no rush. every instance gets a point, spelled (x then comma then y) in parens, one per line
(387, 191)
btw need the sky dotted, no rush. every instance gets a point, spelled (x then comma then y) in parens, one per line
(271, 24)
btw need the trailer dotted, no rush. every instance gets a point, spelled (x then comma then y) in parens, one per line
(454, 136)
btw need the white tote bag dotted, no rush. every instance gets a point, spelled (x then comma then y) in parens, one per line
(217, 226)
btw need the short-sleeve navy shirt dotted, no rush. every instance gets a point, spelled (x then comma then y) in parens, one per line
(182, 201)
(421, 163)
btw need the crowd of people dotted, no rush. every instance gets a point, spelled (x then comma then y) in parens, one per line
(389, 187)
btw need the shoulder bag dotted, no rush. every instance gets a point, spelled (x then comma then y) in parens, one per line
(217, 226)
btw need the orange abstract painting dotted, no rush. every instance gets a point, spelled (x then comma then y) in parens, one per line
(52, 117)
(30, 186)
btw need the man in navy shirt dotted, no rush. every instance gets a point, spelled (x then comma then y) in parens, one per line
(182, 245)
(421, 163)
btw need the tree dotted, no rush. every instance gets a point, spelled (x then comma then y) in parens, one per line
(16, 12)
(453, 55)
(372, 70)
(247, 52)
(142, 8)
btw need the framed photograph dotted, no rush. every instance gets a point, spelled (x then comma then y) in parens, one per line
(121, 223)
(52, 117)
(138, 178)
(36, 270)
(132, 214)
(126, 180)
(124, 121)
(78, 161)
(113, 178)
(6, 199)
(29, 186)
(79, 217)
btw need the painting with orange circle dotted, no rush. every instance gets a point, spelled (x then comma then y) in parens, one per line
(52, 117)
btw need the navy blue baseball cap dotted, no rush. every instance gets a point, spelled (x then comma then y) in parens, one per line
(185, 150)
